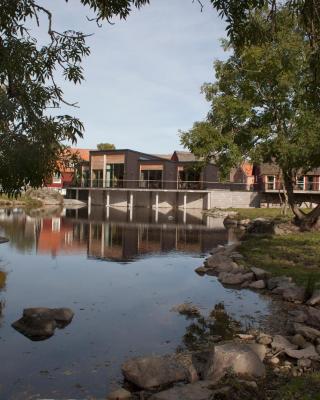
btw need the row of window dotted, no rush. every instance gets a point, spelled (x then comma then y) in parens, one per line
(307, 182)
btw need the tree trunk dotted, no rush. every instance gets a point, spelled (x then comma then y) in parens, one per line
(309, 221)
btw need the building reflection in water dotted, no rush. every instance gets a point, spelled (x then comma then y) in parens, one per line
(115, 234)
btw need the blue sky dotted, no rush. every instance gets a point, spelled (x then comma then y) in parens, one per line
(143, 76)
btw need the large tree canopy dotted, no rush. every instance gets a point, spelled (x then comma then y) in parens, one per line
(31, 135)
(262, 108)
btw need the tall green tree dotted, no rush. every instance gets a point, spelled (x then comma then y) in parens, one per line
(31, 135)
(262, 107)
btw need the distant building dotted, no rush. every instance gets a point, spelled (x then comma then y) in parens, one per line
(65, 176)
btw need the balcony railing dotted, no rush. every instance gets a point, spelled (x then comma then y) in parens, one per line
(165, 184)
(307, 187)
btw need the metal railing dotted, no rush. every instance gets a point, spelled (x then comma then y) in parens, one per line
(165, 184)
(306, 187)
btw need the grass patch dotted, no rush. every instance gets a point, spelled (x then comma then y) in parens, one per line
(21, 201)
(270, 213)
(296, 255)
(306, 387)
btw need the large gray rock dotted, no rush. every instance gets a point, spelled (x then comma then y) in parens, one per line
(152, 372)
(261, 226)
(259, 349)
(35, 328)
(62, 316)
(277, 281)
(309, 352)
(156, 371)
(313, 317)
(295, 294)
(234, 279)
(186, 309)
(240, 359)
(306, 331)
(39, 323)
(280, 343)
(315, 299)
(260, 273)
(119, 394)
(257, 284)
(298, 315)
(221, 263)
(195, 391)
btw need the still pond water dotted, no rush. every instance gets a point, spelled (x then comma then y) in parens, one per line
(121, 274)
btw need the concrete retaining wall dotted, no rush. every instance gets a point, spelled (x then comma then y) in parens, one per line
(234, 199)
(188, 200)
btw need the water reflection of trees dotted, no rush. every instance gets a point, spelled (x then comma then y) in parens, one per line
(205, 331)
(3, 278)
(18, 229)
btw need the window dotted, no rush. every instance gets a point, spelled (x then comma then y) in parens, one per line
(189, 179)
(151, 179)
(97, 177)
(300, 183)
(56, 178)
(114, 175)
(309, 182)
(271, 182)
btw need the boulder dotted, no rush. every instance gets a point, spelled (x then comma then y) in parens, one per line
(280, 343)
(299, 341)
(154, 371)
(201, 270)
(39, 323)
(119, 394)
(259, 349)
(240, 359)
(304, 363)
(264, 339)
(221, 263)
(274, 282)
(313, 317)
(299, 316)
(62, 316)
(257, 285)
(260, 273)
(315, 299)
(198, 390)
(295, 294)
(228, 278)
(35, 328)
(261, 226)
(308, 352)
(306, 331)
(186, 309)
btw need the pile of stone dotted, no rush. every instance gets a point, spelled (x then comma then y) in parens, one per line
(223, 264)
(198, 375)
(191, 375)
(39, 323)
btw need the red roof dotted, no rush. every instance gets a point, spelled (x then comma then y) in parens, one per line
(84, 154)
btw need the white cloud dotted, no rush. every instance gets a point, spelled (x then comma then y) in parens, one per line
(143, 76)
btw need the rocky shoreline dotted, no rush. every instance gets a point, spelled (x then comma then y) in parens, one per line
(249, 357)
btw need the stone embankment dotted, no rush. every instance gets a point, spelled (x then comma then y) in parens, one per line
(199, 374)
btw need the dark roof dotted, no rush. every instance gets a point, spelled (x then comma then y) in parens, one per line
(164, 156)
(273, 169)
(269, 169)
(185, 156)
